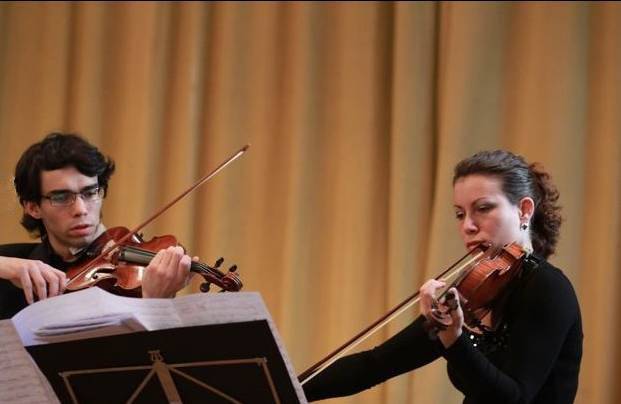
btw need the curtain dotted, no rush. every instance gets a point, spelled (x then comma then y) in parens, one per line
(356, 114)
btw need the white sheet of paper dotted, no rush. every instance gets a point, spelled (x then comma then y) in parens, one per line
(20, 380)
(69, 312)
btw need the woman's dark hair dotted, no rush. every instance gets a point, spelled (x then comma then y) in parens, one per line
(519, 180)
(55, 151)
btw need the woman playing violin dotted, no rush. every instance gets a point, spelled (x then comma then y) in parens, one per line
(528, 353)
(61, 182)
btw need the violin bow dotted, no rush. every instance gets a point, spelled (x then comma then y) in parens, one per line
(197, 184)
(320, 366)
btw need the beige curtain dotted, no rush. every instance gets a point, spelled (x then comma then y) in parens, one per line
(356, 113)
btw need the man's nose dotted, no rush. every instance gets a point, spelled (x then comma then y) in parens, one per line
(79, 206)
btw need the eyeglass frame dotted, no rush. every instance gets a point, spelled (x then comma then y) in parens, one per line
(98, 195)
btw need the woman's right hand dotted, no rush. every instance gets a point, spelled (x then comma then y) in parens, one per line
(452, 331)
(428, 296)
(34, 277)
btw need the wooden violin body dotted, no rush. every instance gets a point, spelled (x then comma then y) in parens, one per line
(121, 270)
(481, 287)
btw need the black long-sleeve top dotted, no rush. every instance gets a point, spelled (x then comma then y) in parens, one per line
(12, 298)
(533, 357)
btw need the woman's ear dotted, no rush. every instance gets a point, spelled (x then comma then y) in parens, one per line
(526, 207)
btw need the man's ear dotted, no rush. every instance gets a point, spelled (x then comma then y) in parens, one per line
(33, 209)
(527, 209)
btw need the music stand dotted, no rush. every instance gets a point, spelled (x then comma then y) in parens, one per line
(222, 363)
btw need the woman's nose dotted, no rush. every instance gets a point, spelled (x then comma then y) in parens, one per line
(469, 226)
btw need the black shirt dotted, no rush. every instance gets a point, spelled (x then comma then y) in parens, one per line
(533, 357)
(12, 298)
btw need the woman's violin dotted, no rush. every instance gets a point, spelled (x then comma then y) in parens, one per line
(120, 271)
(116, 259)
(484, 275)
(481, 287)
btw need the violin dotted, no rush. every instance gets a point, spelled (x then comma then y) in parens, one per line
(115, 260)
(481, 287)
(120, 271)
(484, 275)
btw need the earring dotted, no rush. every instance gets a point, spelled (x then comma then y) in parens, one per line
(524, 226)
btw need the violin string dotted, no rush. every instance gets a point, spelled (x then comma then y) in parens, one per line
(151, 254)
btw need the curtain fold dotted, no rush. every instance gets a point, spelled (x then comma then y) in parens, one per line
(356, 113)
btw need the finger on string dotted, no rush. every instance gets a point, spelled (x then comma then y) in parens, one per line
(158, 258)
(176, 254)
(166, 258)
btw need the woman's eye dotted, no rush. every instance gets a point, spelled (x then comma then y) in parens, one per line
(459, 215)
(484, 208)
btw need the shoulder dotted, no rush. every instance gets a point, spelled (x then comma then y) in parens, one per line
(547, 286)
(18, 250)
(546, 275)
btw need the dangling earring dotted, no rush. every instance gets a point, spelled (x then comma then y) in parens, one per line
(524, 226)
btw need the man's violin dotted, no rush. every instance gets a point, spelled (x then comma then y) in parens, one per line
(120, 271)
(115, 260)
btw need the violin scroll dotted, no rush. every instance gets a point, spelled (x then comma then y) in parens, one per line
(228, 282)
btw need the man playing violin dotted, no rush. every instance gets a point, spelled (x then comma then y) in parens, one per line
(61, 183)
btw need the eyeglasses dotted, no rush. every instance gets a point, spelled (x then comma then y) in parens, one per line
(67, 198)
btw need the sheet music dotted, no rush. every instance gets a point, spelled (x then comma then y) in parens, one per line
(94, 312)
(69, 314)
(93, 308)
(20, 380)
(219, 309)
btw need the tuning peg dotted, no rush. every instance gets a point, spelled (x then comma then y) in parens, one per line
(205, 287)
(233, 268)
(219, 262)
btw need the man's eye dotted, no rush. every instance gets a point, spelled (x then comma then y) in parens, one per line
(60, 197)
(90, 193)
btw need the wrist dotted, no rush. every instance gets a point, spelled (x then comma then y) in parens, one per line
(448, 337)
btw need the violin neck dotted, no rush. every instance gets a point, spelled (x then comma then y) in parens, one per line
(139, 256)
(135, 255)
